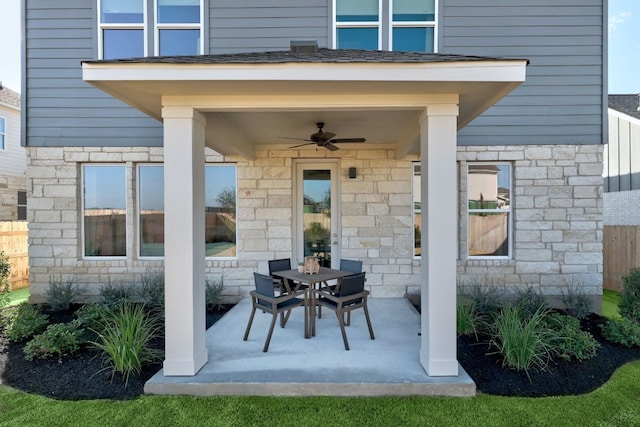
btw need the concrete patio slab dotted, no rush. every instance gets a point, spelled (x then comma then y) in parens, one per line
(320, 366)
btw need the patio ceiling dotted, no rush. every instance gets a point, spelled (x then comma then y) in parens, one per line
(252, 104)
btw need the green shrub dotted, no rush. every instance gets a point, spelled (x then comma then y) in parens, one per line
(624, 332)
(152, 288)
(213, 292)
(5, 270)
(487, 300)
(567, 340)
(630, 295)
(466, 319)
(89, 315)
(124, 337)
(24, 322)
(530, 300)
(576, 302)
(115, 294)
(521, 340)
(61, 293)
(56, 341)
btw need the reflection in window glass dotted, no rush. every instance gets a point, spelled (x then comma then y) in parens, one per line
(151, 210)
(2, 132)
(316, 214)
(357, 38)
(489, 208)
(417, 211)
(413, 10)
(22, 205)
(104, 189)
(413, 39)
(179, 42)
(123, 43)
(356, 10)
(220, 210)
(121, 11)
(179, 11)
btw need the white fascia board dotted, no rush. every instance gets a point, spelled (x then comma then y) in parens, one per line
(472, 71)
(11, 106)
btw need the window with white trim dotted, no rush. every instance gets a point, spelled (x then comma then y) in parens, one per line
(220, 210)
(3, 132)
(22, 205)
(104, 206)
(417, 211)
(122, 28)
(399, 25)
(489, 210)
(178, 27)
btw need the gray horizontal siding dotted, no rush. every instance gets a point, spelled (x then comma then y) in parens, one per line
(61, 109)
(258, 25)
(561, 101)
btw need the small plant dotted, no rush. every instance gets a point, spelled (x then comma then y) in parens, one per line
(5, 270)
(124, 337)
(530, 300)
(487, 300)
(568, 340)
(152, 288)
(521, 340)
(624, 332)
(630, 295)
(61, 293)
(56, 341)
(576, 302)
(213, 292)
(114, 294)
(89, 315)
(466, 319)
(24, 322)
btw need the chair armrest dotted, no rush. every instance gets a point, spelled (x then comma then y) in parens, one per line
(337, 299)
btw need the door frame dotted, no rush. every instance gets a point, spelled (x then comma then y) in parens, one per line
(299, 165)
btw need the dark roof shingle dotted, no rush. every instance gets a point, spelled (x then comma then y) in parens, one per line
(626, 104)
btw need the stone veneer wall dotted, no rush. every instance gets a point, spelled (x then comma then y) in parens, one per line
(9, 187)
(557, 218)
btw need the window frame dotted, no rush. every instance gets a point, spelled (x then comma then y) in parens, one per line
(122, 26)
(509, 212)
(82, 213)
(138, 210)
(158, 26)
(3, 133)
(235, 166)
(21, 205)
(385, 25)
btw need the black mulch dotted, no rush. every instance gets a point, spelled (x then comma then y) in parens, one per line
(79, 376)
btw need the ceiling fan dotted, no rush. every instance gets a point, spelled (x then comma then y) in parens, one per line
(324, 139)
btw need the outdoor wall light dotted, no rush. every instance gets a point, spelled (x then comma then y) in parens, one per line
(352, 173)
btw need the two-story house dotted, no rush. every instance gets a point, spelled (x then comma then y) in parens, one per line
(207, 137)
(13, 159)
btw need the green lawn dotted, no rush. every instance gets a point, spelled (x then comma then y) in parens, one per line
(18, 296)
(610, 303)
(617, 403)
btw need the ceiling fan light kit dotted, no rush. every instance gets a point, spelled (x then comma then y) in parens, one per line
(324, 139)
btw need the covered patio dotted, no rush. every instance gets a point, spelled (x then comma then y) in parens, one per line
(410, 103)
(320, 366)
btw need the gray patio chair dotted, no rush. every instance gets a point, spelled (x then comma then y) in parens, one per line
(264, 299)
(349, 297)
(351, 265)
(279, 265)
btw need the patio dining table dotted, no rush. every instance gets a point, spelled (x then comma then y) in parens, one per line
(293, 279)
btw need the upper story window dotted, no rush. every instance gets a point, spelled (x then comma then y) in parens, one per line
(122, 28)
(178, 27)
(399, 25)
(173, 27)
(489, 210)
(3, 132)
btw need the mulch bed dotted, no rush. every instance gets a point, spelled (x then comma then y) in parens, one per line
(81, 375)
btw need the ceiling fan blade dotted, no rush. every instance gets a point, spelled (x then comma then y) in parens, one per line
(347, 140)
(329, 146)
(322, 136)
(302, 145)
(295, 139)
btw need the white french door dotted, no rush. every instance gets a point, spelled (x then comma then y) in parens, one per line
(316, 211)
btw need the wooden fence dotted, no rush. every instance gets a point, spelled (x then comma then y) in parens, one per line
(13, 241)
(621, 253)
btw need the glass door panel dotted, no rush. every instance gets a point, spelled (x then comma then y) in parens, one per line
(316, 215)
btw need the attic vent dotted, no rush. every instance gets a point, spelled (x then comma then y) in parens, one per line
(304, 46)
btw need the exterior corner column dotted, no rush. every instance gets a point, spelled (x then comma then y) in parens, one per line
(439, 195)
(184, 241)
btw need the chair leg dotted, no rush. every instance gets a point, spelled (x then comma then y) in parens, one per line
(348, 318)
(366, 314)
(246, 332)
(340, 316)
(273, 323)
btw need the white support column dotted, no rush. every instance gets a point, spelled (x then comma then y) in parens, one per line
(439, 192)
(184, 256)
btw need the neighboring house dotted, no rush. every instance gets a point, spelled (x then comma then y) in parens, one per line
(622, 162)
(13, 159)
(185, 157)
